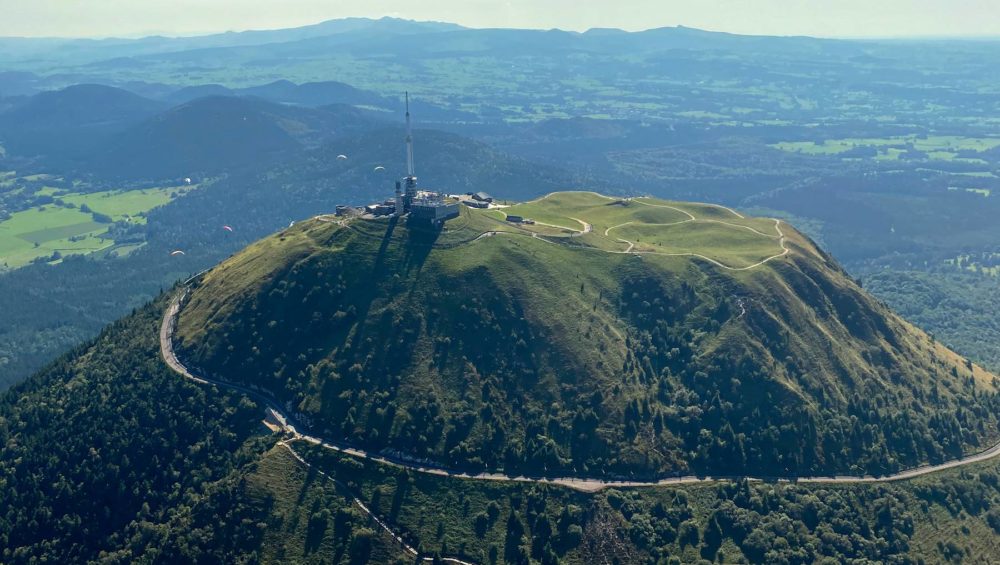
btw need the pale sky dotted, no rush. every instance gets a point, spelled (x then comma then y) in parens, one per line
(827, 18)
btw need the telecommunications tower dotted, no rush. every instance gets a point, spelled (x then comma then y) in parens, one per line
(404, 200)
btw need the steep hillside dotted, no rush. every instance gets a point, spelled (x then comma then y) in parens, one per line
(217, 133)
(611, 338)
(226, 135)
(108, 456)
(71, 121)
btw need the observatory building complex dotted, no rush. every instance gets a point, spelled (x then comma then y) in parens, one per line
(419, 205)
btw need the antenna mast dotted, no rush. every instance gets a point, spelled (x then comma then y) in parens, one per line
(409, 140)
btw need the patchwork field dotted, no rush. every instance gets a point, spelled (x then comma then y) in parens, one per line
(76, 226)
(937, 147)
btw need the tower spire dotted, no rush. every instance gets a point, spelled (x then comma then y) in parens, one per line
(410, 180)
(409, 140)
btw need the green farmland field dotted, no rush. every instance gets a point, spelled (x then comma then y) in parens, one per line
(120, 205)
(937, 147)
(42, 231)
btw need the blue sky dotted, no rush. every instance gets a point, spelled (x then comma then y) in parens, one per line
(829, 18)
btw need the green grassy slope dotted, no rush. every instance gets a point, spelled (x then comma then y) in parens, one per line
(550, 354)
(311, 518)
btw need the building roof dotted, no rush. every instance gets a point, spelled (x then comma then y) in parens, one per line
(482, 196)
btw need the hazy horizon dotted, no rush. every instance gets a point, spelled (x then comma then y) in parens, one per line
(970, 19)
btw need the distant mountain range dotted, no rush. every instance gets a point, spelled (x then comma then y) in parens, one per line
(351, 31)
(95, 50)
(493, 75)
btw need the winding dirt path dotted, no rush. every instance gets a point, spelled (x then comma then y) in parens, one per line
(777, 226)
(691, 218)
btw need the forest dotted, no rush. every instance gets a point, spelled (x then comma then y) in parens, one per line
(952, 518)
(108, 456)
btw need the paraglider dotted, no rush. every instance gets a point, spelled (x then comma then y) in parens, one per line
(341, 157)
(176, 253)
(227, 228)
(379, 168)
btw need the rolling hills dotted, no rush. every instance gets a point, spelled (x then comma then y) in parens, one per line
(215, 134)
(112, 134)
(71, 121)
(612, 338)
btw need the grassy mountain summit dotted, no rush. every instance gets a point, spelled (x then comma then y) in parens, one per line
(612, 337)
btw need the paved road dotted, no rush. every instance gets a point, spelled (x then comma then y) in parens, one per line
(584, 484)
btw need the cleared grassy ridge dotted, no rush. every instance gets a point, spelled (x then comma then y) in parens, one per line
(654, 226)
(312, 518)
(486, 345)
(729, 245)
